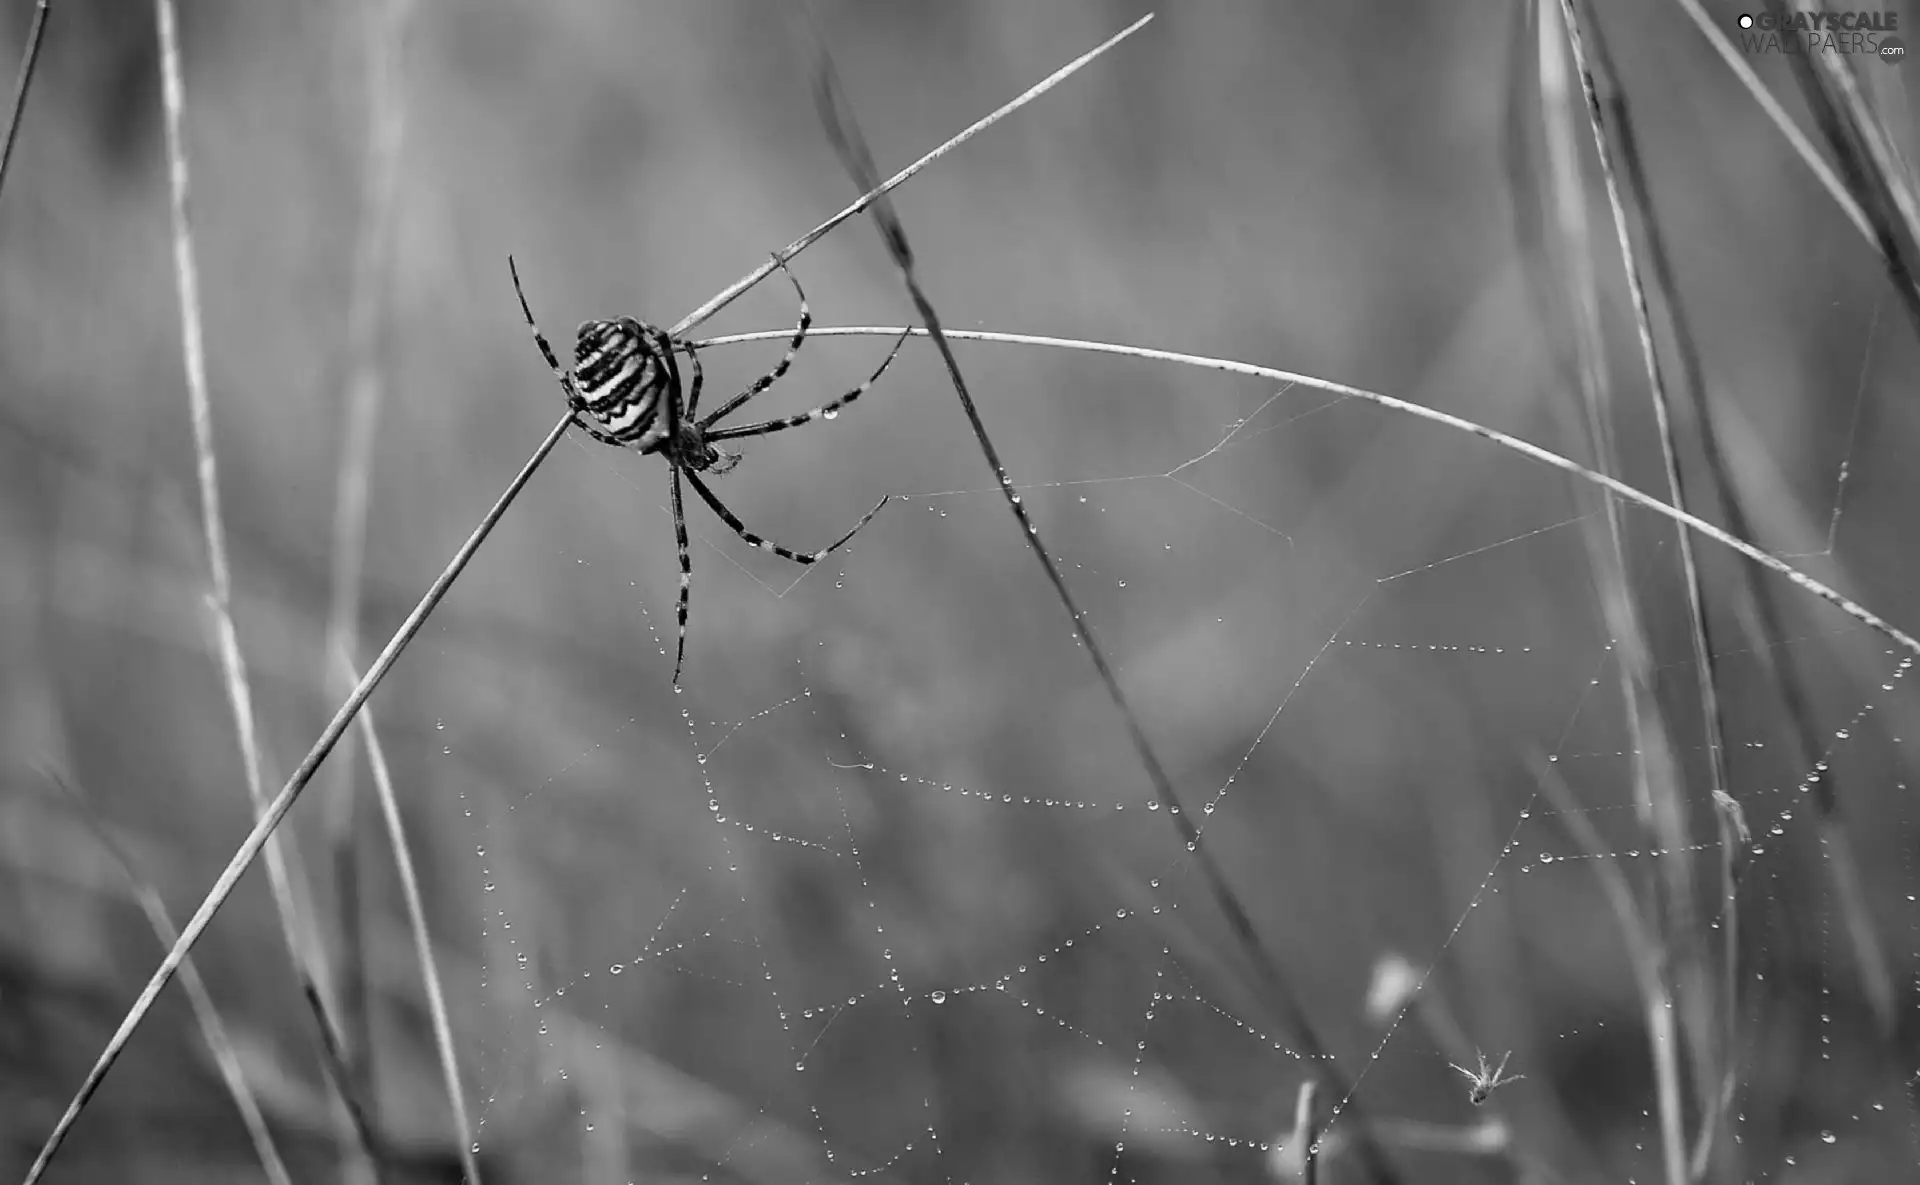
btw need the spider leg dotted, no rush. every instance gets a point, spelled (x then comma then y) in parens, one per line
(826, 410)
(540, 339)
(772, 376)
(579, 405)
(686, 571)
(699, 378)
(739, 528)
(586, 425)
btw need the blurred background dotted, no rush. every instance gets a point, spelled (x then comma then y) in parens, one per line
(885, 891)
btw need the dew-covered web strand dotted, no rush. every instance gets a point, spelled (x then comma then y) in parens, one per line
(1720, 536)
(843, 131)
(1006, 985)
(1843, 1108)
(725, 731)
(812, 1020)
(1165, 888)
(1845, 468)
(1234, 437)
(1344, 1100)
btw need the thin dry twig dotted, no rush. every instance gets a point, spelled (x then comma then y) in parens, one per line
(1883, 205)
(843, 129)
(1669, 811)
(417, 928)
(1297, 1158)
(1796, 139)
(1514, 444)
(1757, 613)
(384, 40)
(1653, 763)
(1871, 168)
(276, 811)
(733, 290)
(206, 1014)
(1886, 171)
(366, 304)
(282, 875)
(28, 61)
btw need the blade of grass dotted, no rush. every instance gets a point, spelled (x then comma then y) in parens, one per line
(843, 130)
(1796, 139)
(1528, 449)
(1758, 616)
(385, 30)
(1715, 1082)
(1653, 762)
(1863, 145)
(1297, 1157)
(417, 928)
(206, 1014)
(29, 59)
(277, 810)
(282, 876)
(1596, 69)
(1643, 953)
(874, 192)
(1870, 167)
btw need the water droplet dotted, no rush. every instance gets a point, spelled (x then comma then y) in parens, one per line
(938, 997)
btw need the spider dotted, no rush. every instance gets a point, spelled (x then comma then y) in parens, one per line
(1484, 1080)
(624, 376)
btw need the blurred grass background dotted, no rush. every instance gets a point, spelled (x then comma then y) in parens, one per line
(1325, 189)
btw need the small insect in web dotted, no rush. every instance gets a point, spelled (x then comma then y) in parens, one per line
(1486, 1080)
(624, 388)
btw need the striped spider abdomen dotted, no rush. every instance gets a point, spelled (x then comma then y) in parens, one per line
(621, 369)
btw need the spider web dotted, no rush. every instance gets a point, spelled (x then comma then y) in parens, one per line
(882, 895)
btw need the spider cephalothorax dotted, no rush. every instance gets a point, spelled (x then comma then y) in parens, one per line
(625, 390)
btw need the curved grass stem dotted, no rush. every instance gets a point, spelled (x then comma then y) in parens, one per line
(1525, 448)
